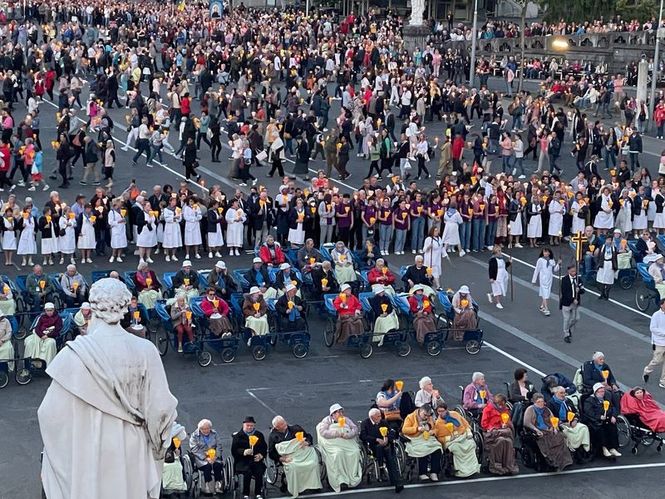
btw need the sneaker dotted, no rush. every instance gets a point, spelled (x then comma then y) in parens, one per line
(514, 171)
(210, 254)
(20, 183)
(462, 253)
(46, 187)
(197, 256)
(489, 297)
(218, 487)
(423, 477)
(168, 258)
(413, 251)
(434, 477)
(518, 245)
(615, 453)
(112, 259)
(499, 306)
(522, 176)
(119, 260)
(89, 260)
(218, 254)
(547, 313)
(660, 385)
(31, 189)
(606, 453)
(174, 258)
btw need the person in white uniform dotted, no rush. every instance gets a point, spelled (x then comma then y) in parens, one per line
(235, 224)
(214, 219)
(579, 210)
(172, 216)
(9, 241)
(67, 237)
(605, 217)
(498, 274)
(544, 274)
(118, 224)
(433, 254)
(608, 265)
(556, 207)
(192, 215)
(534, 229)
(146, 222)
(450, 238)
(86, 240)
(27, 244)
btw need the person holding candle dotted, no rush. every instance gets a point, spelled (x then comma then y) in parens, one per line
(419, 428)
(181, 317)
(291, 310)
(600, 416)
(291, 447)
(172, 237)
(39, 288)
(192, 215)
(418, 274)
(381, 274)
(427, 393)
(550, 440)
(258, 275)
(27, 244)
(217, 312)
(271, 253)
(118, 223)
(324, 280)
(433, 251)
(206, 446)
(285, 276)
(74, 286)
(344, 271)
(598, 371)
(453, 431)
(255, 310)
(422, 311)
(336, 437)
(135, 319)
(546, 266)
(49, 230)
(476, 394)
(235, 223)
(640, 403)
(309, 257)
(220, 279)
(369, 254)
(498, 274)
(466, 316)
(249, 449)
(349, 315)
(147, 285)
(6, 345)
(576, 433)
(41, 344)
(385, 317)
(85, 227)
(378, 436)
(498, 436)
(82, 318)
(146, 239)
(186, 280)
(9, 241)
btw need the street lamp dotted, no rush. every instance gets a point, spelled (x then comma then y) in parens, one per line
(474, 41)
(656, 65)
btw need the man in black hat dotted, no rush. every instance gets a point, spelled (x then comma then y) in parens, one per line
(249, 459)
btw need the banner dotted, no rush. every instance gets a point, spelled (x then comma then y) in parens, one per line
(216, 8)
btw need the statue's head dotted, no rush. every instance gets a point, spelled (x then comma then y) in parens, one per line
(109, 299)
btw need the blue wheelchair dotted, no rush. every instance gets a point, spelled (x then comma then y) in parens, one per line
(472, 339)
(646, 296)
(398, 339)
(22, 376)
(360, 342)
(36, 366)
(208, 343)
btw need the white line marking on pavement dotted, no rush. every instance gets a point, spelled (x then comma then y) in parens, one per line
(513, 358)
(261, 402)
(489, 479)
(587, 290)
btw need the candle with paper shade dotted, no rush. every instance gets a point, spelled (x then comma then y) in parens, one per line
(555, 422)
(450, 427)
(342, 296)
(341, 421)
(256, 306)
(148, 281)
(384, 307)
(605, 373)
(252, 440)
(399, 384)
(300, 436)
(505, 417)
(290, 304)
(42, 284)
(186, 281)
(324, 282)
(606, 405)
(176, 442)
(211, 454)
(383, 430)
(426, 435)
(570, 415)
(188, 315)
(482, 394)
(137, 314)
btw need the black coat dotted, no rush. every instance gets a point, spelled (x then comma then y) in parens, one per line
(276, 437)
(567, 291)
(417, 276)
(250, 276)
(239, 444)
(593, 410)
(369, 432)
(279, 279)
(494, 267)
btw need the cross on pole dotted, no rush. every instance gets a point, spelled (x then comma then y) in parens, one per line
(579, 239)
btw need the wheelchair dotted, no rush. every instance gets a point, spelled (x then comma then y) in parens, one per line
(227, 346)
(647, 296)
(638, 433)
(276, 478)
(22, 376)
(373, 470)
(360, 342)
(472, 339)
(28, 313)
(153, 331)
(230, 481)
(165, 325)
(398, 339)
(297, 339)
(188, 477)
(38, 366)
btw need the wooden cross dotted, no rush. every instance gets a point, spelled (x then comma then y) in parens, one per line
(579, 239)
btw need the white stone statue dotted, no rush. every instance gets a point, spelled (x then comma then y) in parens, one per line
(417, 10)
(106, 419)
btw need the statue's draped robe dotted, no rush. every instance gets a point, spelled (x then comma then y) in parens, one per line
(105, 418)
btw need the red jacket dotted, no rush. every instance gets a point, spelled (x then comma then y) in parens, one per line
(185, 106)
(266, 257)
(457, 147)
(208, 307)
(413, 304)
(376, 276)
(491, 419)
(352, 305)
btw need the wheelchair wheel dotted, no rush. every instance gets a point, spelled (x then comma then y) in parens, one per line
(403, 349)
(204, 358)
(161, 339)
(229, 479)
(228, 355)
(329, 334)
(23, 376)
(626, 281)
(22, 332)
(400, 457)
(4, 379)
(623, 431)
(366, 350)
(433, 348)
(642, 299)
(300, 350)
(259, 352)
(271, 472)
(472, 347)
(188, 472)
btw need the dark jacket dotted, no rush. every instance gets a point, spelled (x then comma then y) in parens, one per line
(494, 267)
(250, 276)
(593, 410)
(417, 276)
(239, 444)
(276, 437)
(591, 375)
(567, 291)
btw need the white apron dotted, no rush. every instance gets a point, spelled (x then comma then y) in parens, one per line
(172, 235)
(67, 243)
(118, 230)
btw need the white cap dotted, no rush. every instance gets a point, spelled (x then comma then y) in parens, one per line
(254, 289)
(49, 306)
(186, 263)
(220, 265)
(257, 260)
(290, 287)
(85, 305)
(378, 288)
(335, 408)
(464, 289)
(284, 266)
(617, 231)
(344, 287)
(597, 387)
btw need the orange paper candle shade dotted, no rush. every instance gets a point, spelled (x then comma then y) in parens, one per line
(420, 209)
(186, 281)
(313, 210)
(592, 248)
(605, 373)
(470, 211)
(220, 210)
(404, 215)
(347, 209)
(176, 442)
(137, 314)
(464, 303)
(383, 430)
(606, 405)
(295, 283)
(215, 303)
(48, 219)
(342, 296)
(399, 384)
(290, 305)
(252, 440)
(93, 218)
(384, 270)
(72, 215)
(148, 281)
(426, 435)
(312, 261)
(428, 271)
(505, 417)
(570, 416)
(439, 212)
(341, 421)
(123, 213)
(300, 436)
(211, 453)
(372, 220)
(426, 303)
(75, 285)
(26, 215)
(257, 306)
(188, 315)
(555, 422)
(42, 284)
(482, 394)
(450, 427)
(384, 307)
(342, 258)
(324, 282)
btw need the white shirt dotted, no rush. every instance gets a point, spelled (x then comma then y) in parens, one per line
(657, 328)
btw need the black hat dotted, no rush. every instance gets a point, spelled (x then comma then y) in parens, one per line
(249, 419)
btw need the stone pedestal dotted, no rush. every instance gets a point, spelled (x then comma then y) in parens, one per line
(642, 81)
(415, 37)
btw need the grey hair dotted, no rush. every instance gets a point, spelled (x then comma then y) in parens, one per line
(476, 376)
(536, 397)
(373, 412)
(71, 266)
(204, 422)
(277, 419)
(109, 299)
(419, 258)
(598, 355)
(557, 389)
(423, 381)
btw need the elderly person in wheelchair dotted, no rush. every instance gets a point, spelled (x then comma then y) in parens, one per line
(476, 395)
(255, 311)
(385, 317)
(499, 437)
(576, 433)
(466, 316)
(394, 403)
(337, 440)
(638, 402)
(349, 315)
(540, 421)
(291, 310)
(290, 447)
(454, 433)
(7, 301)
(378, 437)
(173, 478)
(206, 447)
(41, 344)
(381, 274)
(427, 393)
(599, 415)
(343, 259)
(598, 371)
(6, 346)
(249, 449)
(422, 312)
(418, 427)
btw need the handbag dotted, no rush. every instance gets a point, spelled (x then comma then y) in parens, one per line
(262, 155)
(392, 415)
